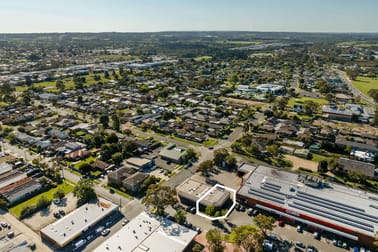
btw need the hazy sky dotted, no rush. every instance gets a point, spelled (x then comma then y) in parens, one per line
(169, 15)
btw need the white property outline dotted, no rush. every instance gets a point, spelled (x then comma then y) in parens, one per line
(207, 193)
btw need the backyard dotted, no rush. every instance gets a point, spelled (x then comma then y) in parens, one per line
(65, 186)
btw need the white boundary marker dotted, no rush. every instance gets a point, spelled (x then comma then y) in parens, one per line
(207, 193)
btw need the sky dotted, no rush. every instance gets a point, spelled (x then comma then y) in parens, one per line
(28, 16)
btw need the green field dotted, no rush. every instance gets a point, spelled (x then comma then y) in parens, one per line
(358, 44)
(50, 86)
(16, 210)
(203, 58)
(364, 84)
(240, 42)
(301, 100)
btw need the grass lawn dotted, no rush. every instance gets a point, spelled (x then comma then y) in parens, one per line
(65, 186)
(88, 160)
(50, 86)
(301, 100)
(123, 194)
(364, 84)
(210, 142)
(203, 58)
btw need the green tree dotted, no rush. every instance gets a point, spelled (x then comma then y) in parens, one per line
(104, 120)
(84, 190)
(189, 155)
(117, 158)
(310, 107)
(59, 84)
(264, 223)
(59, 194)
(158, 197)
(85, 168)
(231, 162)
(323, 166)
(111, 138)
(374, 94)
(180, 216)
(43, 202)
(197, 248)
(376, 240)
(3, 203)
(220, 156)
(209, 210)
(352, 73)
(247, 237)
(205, 166)
(214, 240)
(116, 123)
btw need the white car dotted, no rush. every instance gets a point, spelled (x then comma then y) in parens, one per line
(105, 232)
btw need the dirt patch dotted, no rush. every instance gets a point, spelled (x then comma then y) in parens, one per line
(348, 127)
(300, 162)
(244, 102)
(44, 217)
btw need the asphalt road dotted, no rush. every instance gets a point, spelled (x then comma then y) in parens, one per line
(354, 90)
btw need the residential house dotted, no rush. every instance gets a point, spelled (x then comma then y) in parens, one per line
(349, 165)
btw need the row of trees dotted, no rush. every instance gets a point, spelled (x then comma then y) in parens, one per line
(222, 159)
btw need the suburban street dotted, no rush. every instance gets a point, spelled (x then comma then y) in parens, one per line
(354, 90)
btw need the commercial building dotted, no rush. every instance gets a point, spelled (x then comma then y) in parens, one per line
(191, 190)
(140, 163)
(71, 226)
(149, 233)
(308, 200)
(270, 89)
(172, 153)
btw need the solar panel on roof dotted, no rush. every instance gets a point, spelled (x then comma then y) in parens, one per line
(340, 209)
(333, 217)
(330, 201)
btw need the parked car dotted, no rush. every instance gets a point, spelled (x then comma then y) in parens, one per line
(311, 249)
(281, 223)
(56, 215)
(105, 232)
(124, 222)
(300, 244)
(10, 234)
(4, 224)
(316, 236)
(100, 229)
(61, 212)
(250, 211)
(299, 229)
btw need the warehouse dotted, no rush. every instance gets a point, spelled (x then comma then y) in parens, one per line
(70, 227)
(309, 200)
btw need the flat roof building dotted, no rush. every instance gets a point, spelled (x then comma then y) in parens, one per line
(191, 190)
(71, 226)
(140, 163)
(172, 153)
(147, 232)
(341, 210)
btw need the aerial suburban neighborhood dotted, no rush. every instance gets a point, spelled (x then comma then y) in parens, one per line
(189, 141)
